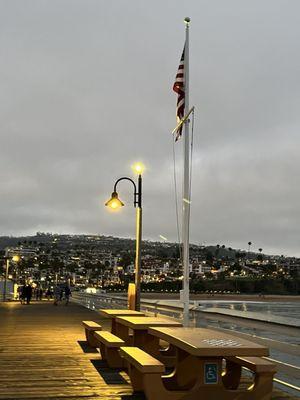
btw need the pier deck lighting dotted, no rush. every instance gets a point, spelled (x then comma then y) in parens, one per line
(115, 203)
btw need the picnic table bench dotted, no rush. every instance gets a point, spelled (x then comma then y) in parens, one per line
(198, 368)
(90, 327)
(109, 345)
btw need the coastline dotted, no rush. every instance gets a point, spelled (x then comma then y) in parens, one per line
(225, 297)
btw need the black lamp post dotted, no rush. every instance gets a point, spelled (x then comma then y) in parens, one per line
(114, 203)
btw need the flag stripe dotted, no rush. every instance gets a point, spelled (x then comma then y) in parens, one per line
(179, 88)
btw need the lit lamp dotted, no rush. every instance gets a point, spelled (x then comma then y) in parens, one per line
(15, 259)
(115, 203)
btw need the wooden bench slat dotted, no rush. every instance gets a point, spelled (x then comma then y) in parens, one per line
(142, 360)
(109, 339)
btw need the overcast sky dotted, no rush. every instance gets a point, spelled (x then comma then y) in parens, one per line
(86, 89)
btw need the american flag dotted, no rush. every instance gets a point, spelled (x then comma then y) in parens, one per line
(179, 88)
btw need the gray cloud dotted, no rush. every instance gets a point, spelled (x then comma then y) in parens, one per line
(86, 90)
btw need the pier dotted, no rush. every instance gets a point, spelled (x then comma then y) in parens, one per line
(44, 355)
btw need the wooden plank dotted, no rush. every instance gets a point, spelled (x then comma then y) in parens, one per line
(41, 356)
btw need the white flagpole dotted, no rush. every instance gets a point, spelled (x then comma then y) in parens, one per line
(186, 186)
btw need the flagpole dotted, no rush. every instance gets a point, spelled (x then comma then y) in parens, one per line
(186, 186)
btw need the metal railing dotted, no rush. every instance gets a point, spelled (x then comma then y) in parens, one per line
(279, 338)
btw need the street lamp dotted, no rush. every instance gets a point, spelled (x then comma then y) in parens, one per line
(115, 203)
(15, 259)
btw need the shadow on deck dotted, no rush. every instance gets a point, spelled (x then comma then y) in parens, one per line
(43, 355)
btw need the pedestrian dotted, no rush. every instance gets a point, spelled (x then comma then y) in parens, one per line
(68, 293)
(61, 293)
(40, 294)
(22, 294)
(28, 293)
(57, 295)
(48, 293)
(36, 292)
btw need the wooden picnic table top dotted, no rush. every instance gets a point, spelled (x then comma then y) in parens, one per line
(143, 323)
(208, 343)
(111, 313)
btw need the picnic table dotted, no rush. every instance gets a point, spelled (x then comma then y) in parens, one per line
(198, 371)
(139, 327)
(113, 313)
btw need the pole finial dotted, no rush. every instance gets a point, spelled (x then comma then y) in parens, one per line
(187, 20)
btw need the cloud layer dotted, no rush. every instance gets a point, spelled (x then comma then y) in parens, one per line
(86, 90)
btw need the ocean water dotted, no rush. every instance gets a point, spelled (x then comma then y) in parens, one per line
(289, 310)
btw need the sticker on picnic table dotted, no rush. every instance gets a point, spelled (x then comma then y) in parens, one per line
(222, 342)
(210, 373)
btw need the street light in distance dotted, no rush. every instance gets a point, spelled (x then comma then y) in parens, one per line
(15, 258)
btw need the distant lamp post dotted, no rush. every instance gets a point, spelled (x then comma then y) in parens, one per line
(14, 258)
(115, 203)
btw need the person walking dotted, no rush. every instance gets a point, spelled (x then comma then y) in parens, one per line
(48, 293)
(57, 295)
(68, 293)
(22, 294)
(28, 293)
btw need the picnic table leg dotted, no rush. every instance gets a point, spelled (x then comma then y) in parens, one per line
(113, 326)
(168, 351)
(231, 378)
(147, 342)
(154, 389)
(186, 372)
(89, 335)
(136, 378)
(122, 332)
(263, 386)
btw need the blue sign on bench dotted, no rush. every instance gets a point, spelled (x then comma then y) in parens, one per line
(210, 373)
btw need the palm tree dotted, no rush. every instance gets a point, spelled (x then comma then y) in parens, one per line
(249, 245)
(260, 258)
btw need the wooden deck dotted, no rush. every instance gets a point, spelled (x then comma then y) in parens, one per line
(43, 355)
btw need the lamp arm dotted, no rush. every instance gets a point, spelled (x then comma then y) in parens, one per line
(135, 191)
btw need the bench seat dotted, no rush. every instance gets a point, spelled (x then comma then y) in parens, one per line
(109, 345)
(263, 370)
(255, 364)
(91, 327)
(142, 360)
(145, 373)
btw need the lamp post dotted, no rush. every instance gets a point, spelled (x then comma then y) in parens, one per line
(14, 258)
(114, 203)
